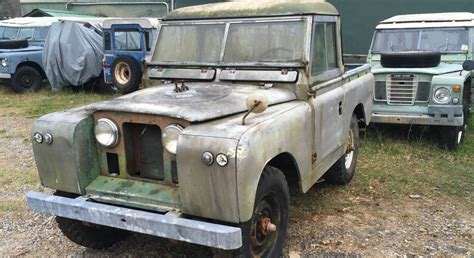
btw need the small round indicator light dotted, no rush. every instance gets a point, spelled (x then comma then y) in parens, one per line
(457, 88)
(38, 137)
(207, 158)
(222, 160)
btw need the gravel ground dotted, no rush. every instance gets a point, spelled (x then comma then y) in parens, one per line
(413, 225)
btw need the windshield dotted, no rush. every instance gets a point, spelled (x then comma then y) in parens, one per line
(281, 41)
(433, 39)
(9, 33)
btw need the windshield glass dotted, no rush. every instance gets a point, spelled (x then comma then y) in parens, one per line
(200, 43)
(281, 41)
(9, 33)
(432, 39)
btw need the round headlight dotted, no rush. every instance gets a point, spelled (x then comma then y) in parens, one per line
(106, 133)
(4, 62)
(442, 95)
(170, 138)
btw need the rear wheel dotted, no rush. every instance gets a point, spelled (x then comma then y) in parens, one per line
(26, 79)
(343, 170)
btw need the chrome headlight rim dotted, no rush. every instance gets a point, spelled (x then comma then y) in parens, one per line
(446, 99)
(169, 138)
(114, 133)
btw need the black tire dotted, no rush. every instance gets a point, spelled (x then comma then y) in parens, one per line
(452, 137)
(126, 74)
(410, 59)
(341, 173)
(26, 79)
(14, 44)
(271, 201)
(87, 234)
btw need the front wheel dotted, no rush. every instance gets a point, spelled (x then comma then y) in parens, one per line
(264, 234)
(452, 137)
(26, 79)
(343, 170)
(90, 235)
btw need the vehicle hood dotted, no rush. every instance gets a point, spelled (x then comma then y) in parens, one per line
(27, 49)
(203, 101)
(442, 68)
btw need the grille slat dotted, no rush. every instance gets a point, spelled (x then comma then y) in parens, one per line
(401, 89)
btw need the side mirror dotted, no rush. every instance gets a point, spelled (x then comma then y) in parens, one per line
(256, 103)
(468, 65)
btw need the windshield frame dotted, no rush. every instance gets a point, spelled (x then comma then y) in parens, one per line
(468, 30)
(227, 22)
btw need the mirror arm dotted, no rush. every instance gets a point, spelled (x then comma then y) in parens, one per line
(257, 103)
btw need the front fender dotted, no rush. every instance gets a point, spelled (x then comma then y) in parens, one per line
(288, 131)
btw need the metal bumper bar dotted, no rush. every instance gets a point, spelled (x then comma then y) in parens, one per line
(415, 120)
(5, 76)
(168, 226)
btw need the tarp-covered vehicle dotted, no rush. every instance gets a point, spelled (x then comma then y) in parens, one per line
(73, 54)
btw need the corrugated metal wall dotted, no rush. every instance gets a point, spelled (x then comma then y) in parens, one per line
(359, 17)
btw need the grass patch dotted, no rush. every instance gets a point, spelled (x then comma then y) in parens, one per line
(33, 105)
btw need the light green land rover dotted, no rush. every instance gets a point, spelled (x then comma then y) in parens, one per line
(422, 70)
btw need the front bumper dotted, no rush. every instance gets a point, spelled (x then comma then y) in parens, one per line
(5, 76)
(437, 115)
(168, 226)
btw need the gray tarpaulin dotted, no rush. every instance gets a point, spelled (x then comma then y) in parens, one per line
(72, 54)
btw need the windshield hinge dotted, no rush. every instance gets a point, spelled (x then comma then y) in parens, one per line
(312, 93)
(284, 71)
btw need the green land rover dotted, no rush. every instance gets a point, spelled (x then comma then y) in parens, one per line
(422, 67)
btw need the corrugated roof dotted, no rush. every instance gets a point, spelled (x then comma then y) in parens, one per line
(41, 12)
(253, 9)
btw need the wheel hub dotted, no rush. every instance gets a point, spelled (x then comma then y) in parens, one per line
(264, 231)
(350, 149)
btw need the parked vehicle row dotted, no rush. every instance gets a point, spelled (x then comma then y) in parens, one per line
(249, 100)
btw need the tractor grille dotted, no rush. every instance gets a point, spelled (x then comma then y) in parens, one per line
(402, 89)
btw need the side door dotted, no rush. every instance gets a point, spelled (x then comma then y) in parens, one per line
(326, 82)
(128, 40)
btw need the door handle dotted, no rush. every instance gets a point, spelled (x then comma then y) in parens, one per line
(340, 107)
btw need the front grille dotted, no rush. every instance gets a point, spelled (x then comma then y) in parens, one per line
(401, 89)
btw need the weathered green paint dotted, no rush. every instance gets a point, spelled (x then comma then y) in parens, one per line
(253, 9)
(70, 163)
(133, 193)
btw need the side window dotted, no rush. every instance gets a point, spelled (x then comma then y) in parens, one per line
(147, 41)
(41, 33)
(324, 48)
(107, 42)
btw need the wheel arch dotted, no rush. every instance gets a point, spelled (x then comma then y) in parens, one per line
(34, 65)
(286, 162)
(359, 111)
